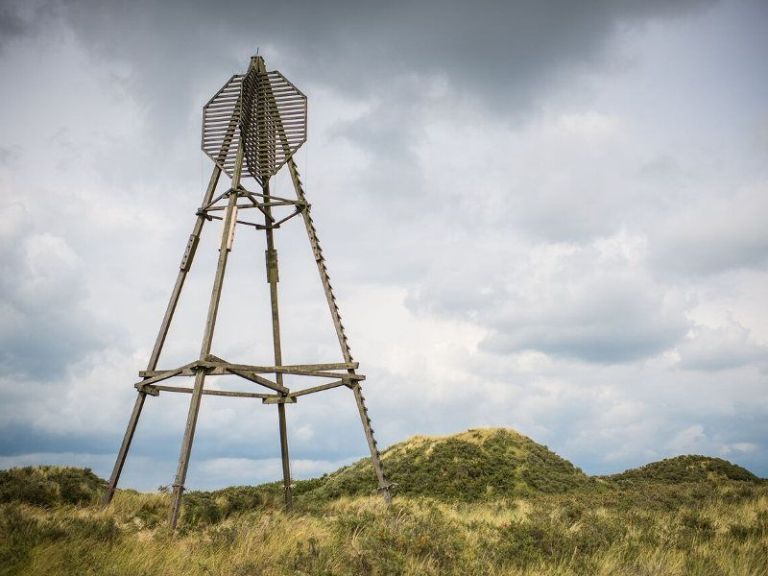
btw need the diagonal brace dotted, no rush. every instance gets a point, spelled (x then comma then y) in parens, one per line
(258, 379)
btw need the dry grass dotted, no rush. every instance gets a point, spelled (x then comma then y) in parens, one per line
(483, 503)
(725, 533)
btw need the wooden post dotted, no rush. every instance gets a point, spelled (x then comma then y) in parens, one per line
(185, 266)
(273, 279)
(205, 349)
(123, 452)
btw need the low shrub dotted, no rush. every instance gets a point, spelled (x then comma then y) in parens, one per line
(50, 485)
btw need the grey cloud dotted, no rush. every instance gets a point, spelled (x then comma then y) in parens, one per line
(504, 52)
(11, 24)
(569, 302)
(23, 439)
(608, 323)
(709, 234)
(597, 341)
(469, 236)
(740, 441)
(19, 19)
(6, 156)
(723, 348)
(45, 322)
(661, 170)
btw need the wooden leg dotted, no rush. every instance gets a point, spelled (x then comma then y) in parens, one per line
(273, 277)
(186, 264)
(225, 246)
(184, 267)
(123, 452)
(378, 468)
(186, 447)
(284, 454)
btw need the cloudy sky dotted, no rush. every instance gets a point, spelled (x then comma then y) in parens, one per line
(549, 216)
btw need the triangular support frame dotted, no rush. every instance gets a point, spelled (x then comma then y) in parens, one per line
(153, 380)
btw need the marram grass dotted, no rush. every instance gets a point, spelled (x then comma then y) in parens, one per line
(689, 516)
(724, 532)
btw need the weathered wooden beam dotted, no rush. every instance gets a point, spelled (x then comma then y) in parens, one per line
(295, 371)
(222, 208)
(146, 389)
(219, 368)
(208, 205)
(327, 366)
(259, 380)
(279, 400)
(205, 348)
(247, 223)
(284, 220)
(320, 388)
(123, 453)
(250, 206)
(208, 392)
(323, 374)
(163, 375)
(184, 267)
(257, 204)
(271, 197)
(184, 372)
(273, 278)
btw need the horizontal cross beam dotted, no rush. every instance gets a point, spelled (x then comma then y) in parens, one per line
(154, 390)
(221, 368)
(252, 205)
(271, 197)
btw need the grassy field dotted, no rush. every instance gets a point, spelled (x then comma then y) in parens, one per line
(689, 515)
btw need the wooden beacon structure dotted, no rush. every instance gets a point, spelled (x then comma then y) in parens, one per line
(251, 127)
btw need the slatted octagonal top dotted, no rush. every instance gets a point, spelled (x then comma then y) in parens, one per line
(264, 109)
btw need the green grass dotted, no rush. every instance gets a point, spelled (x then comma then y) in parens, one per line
(472, 466)
(722, 529)
(642, 523)
(49, 485)
(689, 468)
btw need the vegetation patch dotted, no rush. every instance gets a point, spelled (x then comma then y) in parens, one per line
(685, 516)
(50, 485)
(472, 466)
(690, 468)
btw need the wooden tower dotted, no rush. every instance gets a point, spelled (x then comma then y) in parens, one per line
(252, 126)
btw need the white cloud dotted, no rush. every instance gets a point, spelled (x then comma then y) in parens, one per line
(721, 348)
(567, 243)
(596, 302)
(722, 230)
(688, 440)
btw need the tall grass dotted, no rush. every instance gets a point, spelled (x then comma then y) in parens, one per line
(484, 502)
(712, 528)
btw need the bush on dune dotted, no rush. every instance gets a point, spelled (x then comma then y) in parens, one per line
(50, 485)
